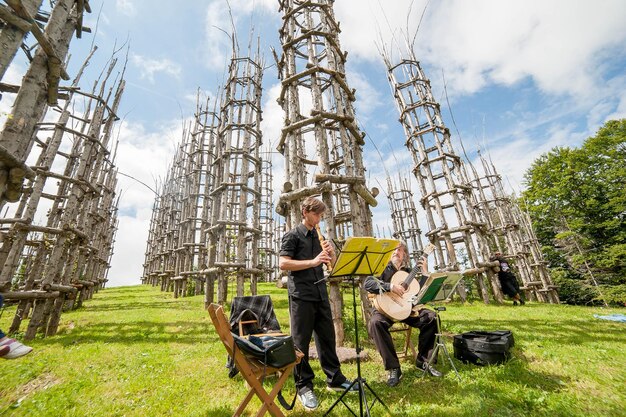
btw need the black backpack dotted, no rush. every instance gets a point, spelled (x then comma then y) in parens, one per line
(483, 348)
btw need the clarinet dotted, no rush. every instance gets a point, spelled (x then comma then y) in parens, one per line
(329, 266)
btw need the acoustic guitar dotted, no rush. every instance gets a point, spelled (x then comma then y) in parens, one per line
(398, 307)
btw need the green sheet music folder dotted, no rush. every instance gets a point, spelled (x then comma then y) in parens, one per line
(438, 286)
(364, 256)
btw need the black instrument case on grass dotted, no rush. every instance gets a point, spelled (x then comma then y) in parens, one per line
(483, 347)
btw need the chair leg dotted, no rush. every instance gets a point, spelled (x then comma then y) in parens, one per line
(256, 387)
(244, 403)
(408, 343)
(248, 370)
(268, 402)
(277, 387)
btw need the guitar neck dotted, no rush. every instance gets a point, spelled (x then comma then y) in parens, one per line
(411, 276)
(427, 251)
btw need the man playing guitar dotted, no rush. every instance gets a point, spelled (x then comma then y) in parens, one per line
(423, 319)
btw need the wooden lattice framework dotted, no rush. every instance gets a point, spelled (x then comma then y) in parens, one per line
(455, 226)
(176, 249)
(320, 140)
(40, 84)
(195, 185)
(268, 254)
(169, 220)
(506, 222)
(404, 216)
(57, 265)
(151, 260)
(537, 261)
(235, 231)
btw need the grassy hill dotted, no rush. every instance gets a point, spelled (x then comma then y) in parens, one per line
(135, 351)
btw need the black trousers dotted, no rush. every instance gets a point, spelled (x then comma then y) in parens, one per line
(508, 283)
(379, 326)
(310, 318)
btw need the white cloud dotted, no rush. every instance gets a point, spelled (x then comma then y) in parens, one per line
(559, 44)
(273, 117)
(218, 44)
(126, 7)
(248, 6)
(148, 67)
(368, 97)
(129, 253)
(144, 155)
(616, 92)
(513, 158)
(555, 43)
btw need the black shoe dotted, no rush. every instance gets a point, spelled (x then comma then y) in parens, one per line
(395, 375)
(420, 360)
(343, 386)
(432, 371)
(514, 302)
(521, 301)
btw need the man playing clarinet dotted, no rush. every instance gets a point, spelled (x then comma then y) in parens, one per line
(302, 254)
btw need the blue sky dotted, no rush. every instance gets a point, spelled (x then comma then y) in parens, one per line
(521, 76)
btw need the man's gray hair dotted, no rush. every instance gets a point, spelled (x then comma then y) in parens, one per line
(407, 258)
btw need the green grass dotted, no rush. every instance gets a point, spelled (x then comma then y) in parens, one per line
(135, 351)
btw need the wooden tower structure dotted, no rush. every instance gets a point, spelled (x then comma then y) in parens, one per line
(268, 253)
(320, 140)
(64, 260)
(455, 226)
(195, 186)
(235, 231)
(176, 257)
(404, 216)
(40, 84)
(151, 261)
(512, 240)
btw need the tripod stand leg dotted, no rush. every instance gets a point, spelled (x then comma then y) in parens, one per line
(439, 343)
(377, 398)
(445, 350)
(358, 380)
(340, 399)
(364, 406)
(433, 356)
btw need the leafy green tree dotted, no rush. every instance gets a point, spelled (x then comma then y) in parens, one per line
(577, 201)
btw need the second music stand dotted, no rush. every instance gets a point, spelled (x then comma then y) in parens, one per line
(439, 287)
(361, 256)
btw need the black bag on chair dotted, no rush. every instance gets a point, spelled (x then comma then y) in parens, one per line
(482, 347)
(275, 351)
(250, 315)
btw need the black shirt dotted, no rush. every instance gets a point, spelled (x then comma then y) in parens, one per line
(505, 272)
(302, 244)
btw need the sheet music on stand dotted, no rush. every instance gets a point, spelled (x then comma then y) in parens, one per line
(363, 256)
(439, 286)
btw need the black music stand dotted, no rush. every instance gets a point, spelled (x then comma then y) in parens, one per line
(438, 287)
(361, 256)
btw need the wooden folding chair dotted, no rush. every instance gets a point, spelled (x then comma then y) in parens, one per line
(252, 370)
